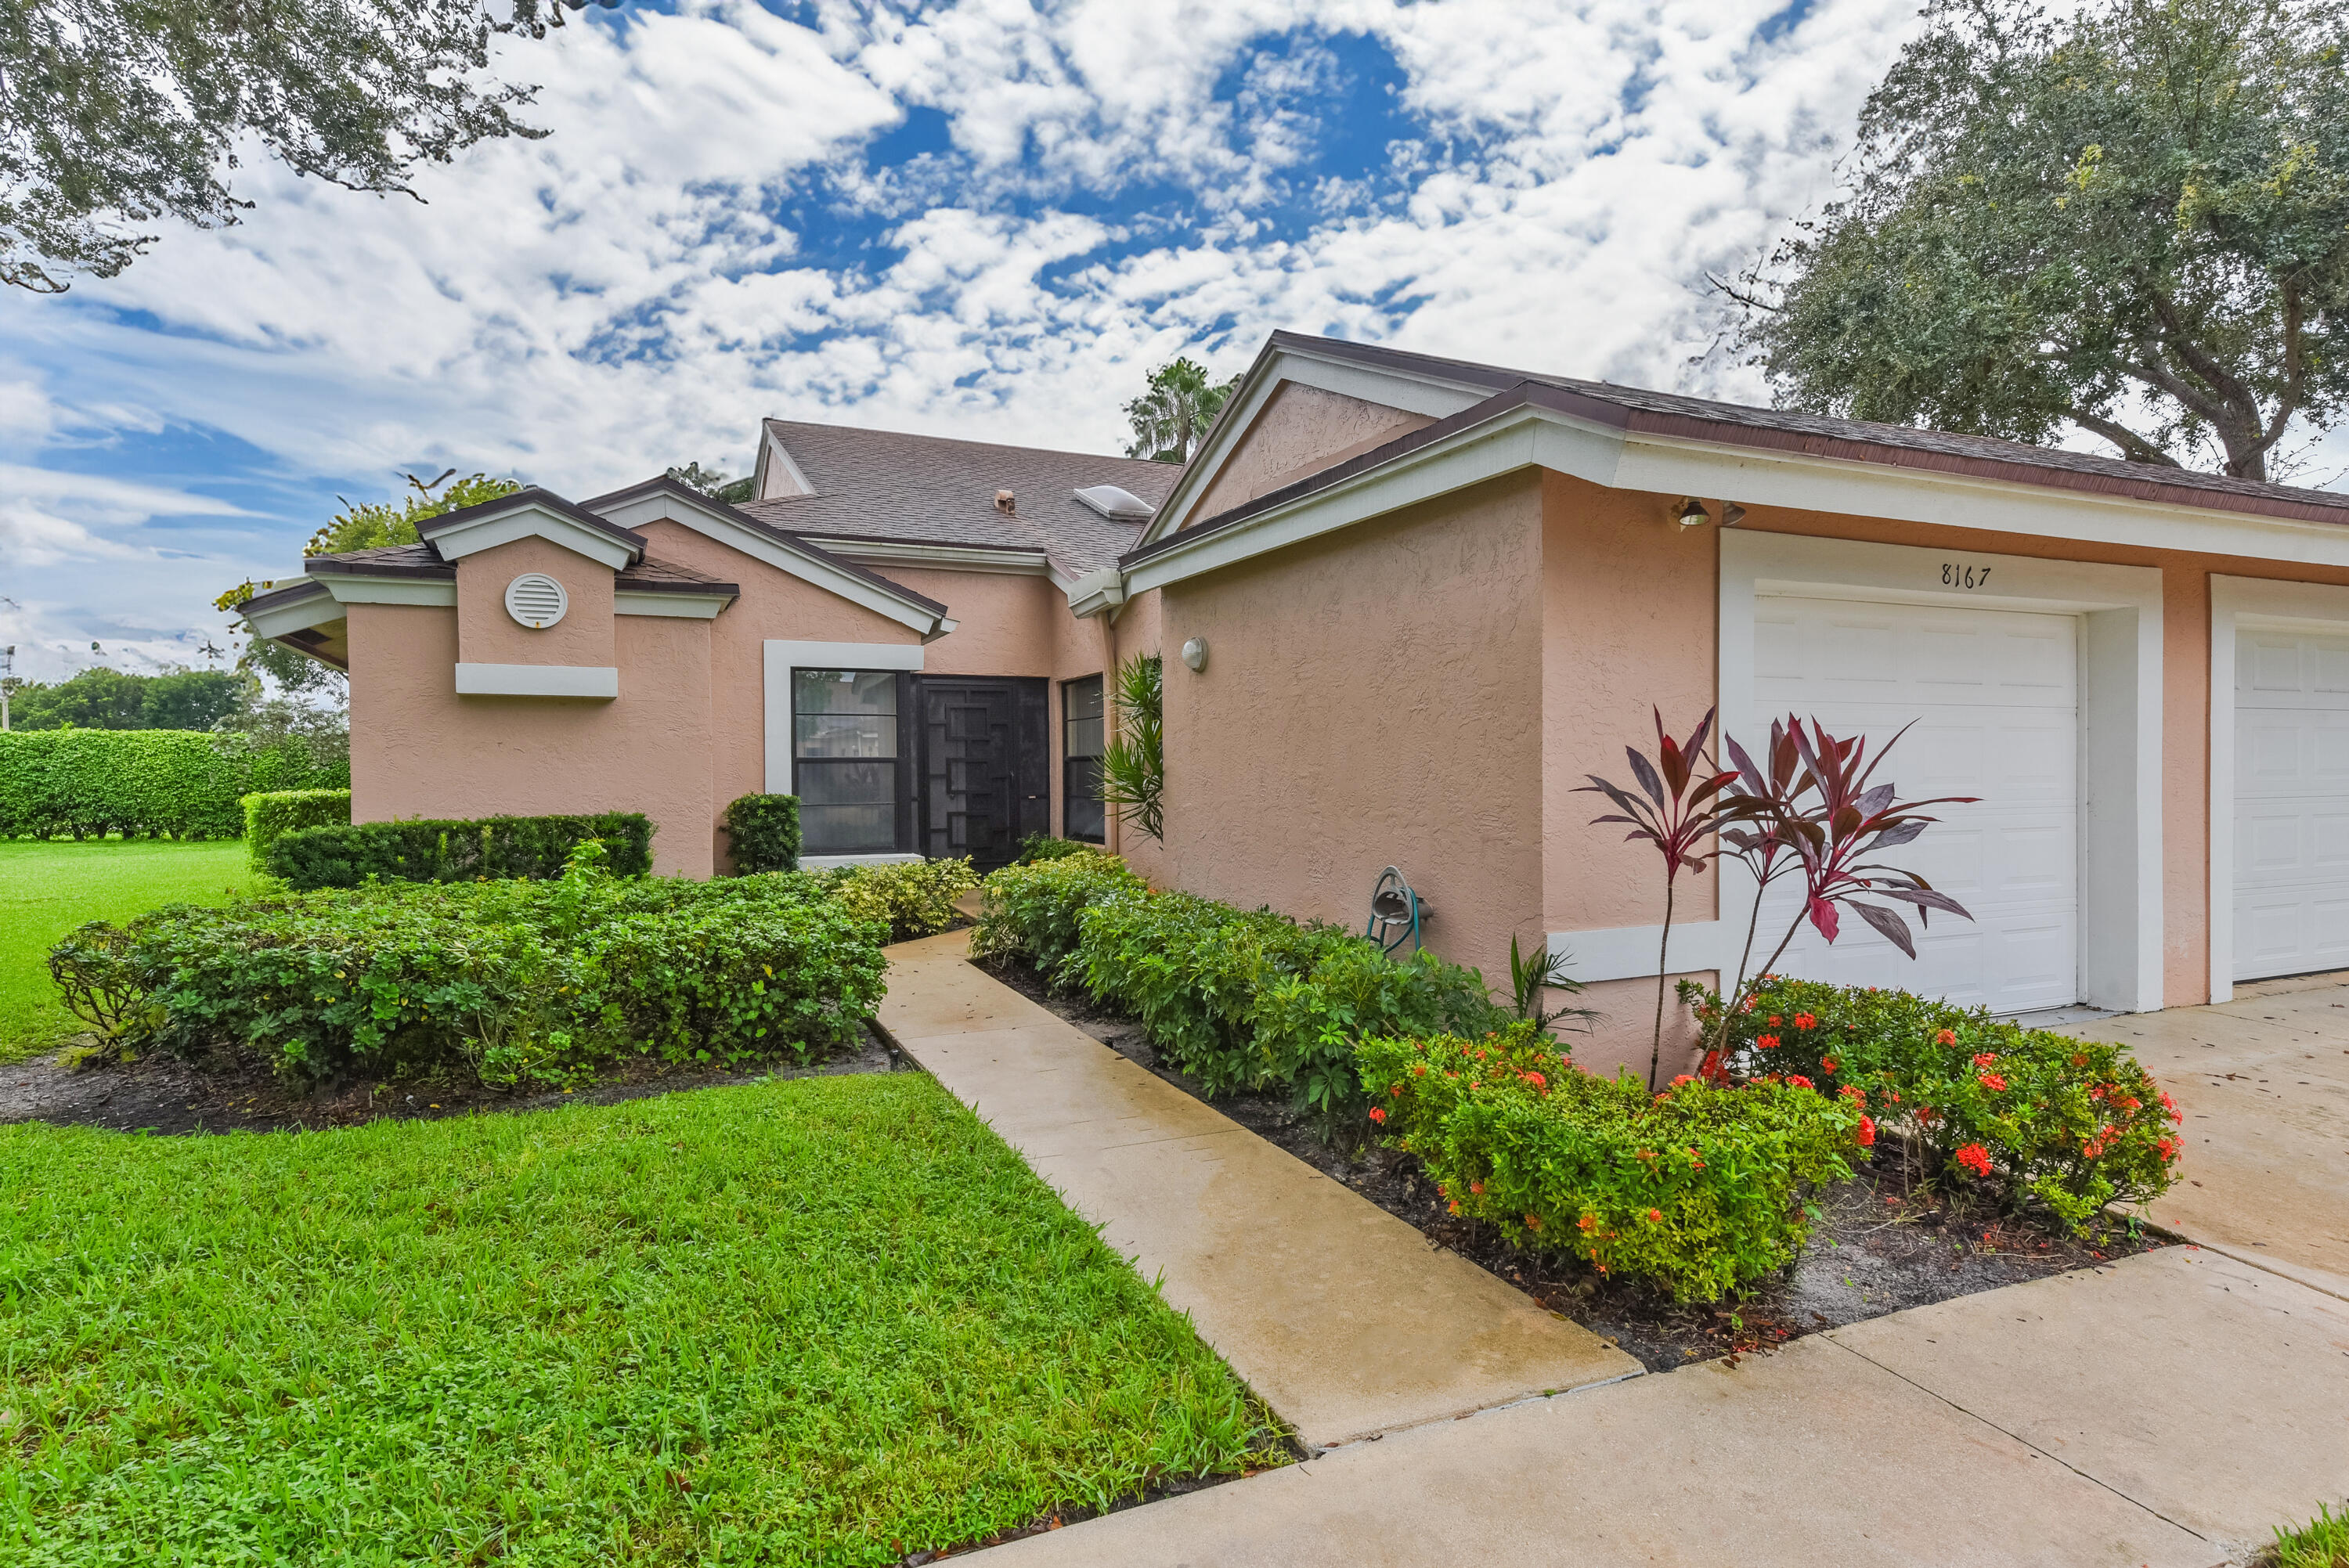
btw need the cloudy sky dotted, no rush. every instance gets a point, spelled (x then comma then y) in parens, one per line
(986, 218)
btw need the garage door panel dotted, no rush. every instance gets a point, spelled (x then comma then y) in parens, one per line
(2291, 803)
(1994, 697)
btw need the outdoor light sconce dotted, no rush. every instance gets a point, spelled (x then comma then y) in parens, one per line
(1195, 654)
(1692, 513)
(1731, 514)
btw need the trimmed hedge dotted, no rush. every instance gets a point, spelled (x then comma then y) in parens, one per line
(533, 848)
(915, 899)
(187, 783)
(763, 833)
(1699, 1189)
(1239, 999)
(2069, 1125)
(271, 816)
(511, 981)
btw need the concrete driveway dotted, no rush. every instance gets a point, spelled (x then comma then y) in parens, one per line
(2264, 1083)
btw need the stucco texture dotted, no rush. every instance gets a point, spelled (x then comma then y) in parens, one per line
(487, 635)
(1369, 699)
(1300, 431)
(419, 749)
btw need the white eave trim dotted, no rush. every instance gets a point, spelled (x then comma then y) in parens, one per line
(593, 681)
(1529, 437)
(684, 606)
(334, 591)
(719, 522)
(945, 557)
(1096, 591)
(532, 522)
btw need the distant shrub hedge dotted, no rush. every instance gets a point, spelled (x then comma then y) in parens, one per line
(185, 783)
(514, 982)
(270, 816)
(424, 851)
(763, 833)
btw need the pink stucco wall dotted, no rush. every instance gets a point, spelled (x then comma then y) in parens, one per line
(1301, 431)
(486, 634)
(1370, 699)
(419, 749)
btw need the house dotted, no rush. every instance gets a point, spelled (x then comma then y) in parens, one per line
(1407, 604)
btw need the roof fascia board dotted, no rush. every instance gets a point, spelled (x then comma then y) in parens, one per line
(300, 614)
(719, 522)
(349, 589)
(1605, 455)
(947, 557)
(477, 534)
(685, 606)
(1392, 388)
(1094, 592)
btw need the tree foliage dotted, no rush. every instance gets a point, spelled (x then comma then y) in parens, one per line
(103, 698)
(2134, 220)
(115, 114)
(713, 484)
(1178, 408)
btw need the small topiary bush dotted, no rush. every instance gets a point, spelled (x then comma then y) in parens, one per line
(446, 851)
(1698, 1191)
(763, 833)
(915, 899)
(515, 982)
(270, 815)
(2070, 1126)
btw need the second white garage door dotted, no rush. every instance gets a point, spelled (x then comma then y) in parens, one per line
(2291, 804)
(1995, 697)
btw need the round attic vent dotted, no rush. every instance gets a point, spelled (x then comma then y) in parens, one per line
(536, 599)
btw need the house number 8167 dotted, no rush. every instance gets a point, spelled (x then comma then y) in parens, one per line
(1956, 576)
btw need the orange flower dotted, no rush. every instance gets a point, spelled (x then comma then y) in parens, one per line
(1654, 1215)
(1774, 1020)
(1797, 1080)
(1766, 1043)
(1684, 1077)
(1984, 1059)
(1378, 1113)
(1867, 1134)
(1532, 1222)
(1994, 1082)
(1805, 1021)
(1475, 1186)
(1974, 1158)
(1946, 1038)
(1587, 1221)
(1827, 1064)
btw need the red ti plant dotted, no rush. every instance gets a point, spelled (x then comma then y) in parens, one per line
(1770, 797)
(1680, 811)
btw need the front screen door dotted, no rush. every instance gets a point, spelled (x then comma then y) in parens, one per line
(985, 771)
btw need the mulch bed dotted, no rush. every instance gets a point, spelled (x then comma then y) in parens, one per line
(1889, 1241)
(162, 1094)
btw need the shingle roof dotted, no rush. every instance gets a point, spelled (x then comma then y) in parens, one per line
(384, 560)
(670, 577)
(1862, 440)
(931, 490)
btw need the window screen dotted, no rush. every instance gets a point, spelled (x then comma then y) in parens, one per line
(1083, 733)
(845, 746)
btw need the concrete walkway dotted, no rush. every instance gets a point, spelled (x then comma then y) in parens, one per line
(1341, 1317)
(2264, 1083)
(2166, 1412)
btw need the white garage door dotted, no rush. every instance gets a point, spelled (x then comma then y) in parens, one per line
(2291, 804)
(1995, 695)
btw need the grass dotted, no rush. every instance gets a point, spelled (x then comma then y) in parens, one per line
(2323, 1542)
(831, 1320)
(48, 888)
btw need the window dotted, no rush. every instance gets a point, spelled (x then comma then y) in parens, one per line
(845, 753)
(1083, 731)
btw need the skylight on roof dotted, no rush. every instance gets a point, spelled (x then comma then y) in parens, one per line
(1122, 505)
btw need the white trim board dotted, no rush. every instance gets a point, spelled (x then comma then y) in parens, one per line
(593, 681)
(2120, 693)
(338, 589)
(2240, 604)
(532, 522)
(784, 656)
(684, 606)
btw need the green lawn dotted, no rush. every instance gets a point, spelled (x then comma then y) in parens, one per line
(831, 1320)
(48, 888)
(2323, 1542)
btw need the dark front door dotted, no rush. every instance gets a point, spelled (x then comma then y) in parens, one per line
(985, 769)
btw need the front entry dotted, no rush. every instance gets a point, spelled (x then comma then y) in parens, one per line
(985, 765)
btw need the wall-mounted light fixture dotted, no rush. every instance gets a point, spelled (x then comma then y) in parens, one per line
(1692, 513)
(1195, 654)
(1731, 514)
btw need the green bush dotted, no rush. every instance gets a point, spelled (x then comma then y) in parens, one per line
(270, 816)
(142, 782)
(446, 851)
(2070, 1125)
(514, 981)
(1031, 909)
(1038, 847)
(1239, 999)
(915, 899)
(763, 833)
(1698, 1191)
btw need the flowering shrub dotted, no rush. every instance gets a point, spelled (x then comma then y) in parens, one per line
(916, 899)
(2071, 1125)
(1697, 1190)
(515, 981)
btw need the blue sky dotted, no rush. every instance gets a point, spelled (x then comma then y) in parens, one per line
(986, 218)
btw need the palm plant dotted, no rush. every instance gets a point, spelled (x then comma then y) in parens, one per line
(1543, 969)
(1134, 764)
(1179, 406)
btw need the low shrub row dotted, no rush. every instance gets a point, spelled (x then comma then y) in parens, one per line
(514, 981)
(2069, 1125)
(189, 784)
(915, 899)
(270, 816)
(425, 851)
(1239, 999)
(1698, 1189)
